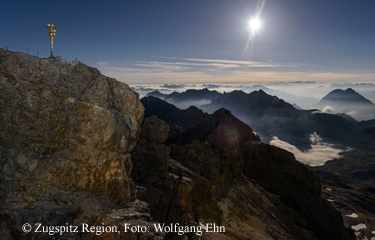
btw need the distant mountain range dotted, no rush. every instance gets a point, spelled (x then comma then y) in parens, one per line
(193, 94)
(349, 102)
(272, 116)
(190, 97)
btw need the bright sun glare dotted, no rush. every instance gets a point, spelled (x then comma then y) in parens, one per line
(255, 25)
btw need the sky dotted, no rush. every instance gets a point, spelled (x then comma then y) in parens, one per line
(177, 41)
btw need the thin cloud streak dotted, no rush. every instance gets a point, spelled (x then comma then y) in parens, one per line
(201, 70)
(236, 62)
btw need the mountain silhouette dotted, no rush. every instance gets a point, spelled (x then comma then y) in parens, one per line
(349, 102)
(348, 96)
(272, 116)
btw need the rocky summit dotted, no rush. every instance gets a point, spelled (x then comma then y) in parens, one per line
(66, 134)
(77, 147)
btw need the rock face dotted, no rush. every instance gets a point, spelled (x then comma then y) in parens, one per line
(214, 168)
(64, 129)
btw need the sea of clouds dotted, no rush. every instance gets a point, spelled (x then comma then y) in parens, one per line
(318, 154)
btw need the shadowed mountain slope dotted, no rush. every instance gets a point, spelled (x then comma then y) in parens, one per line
(222, 155)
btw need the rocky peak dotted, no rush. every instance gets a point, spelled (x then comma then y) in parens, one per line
(230, 131)
(348, 96)
(181, 119)
(350, 90)
(64, 129)
(193, 123)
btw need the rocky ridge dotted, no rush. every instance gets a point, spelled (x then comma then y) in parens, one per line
(272, 116)
(66, 137)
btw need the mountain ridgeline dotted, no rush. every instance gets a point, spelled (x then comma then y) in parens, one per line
(348, 96)
(79, 147)
(271, 116)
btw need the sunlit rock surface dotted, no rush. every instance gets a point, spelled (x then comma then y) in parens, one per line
(66, 133)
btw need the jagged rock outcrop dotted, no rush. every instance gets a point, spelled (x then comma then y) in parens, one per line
(66, 124)
(66, 134)
(218, 170)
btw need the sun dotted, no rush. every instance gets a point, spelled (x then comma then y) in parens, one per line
(255, 25)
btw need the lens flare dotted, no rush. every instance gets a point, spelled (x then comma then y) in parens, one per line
(255, 25)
